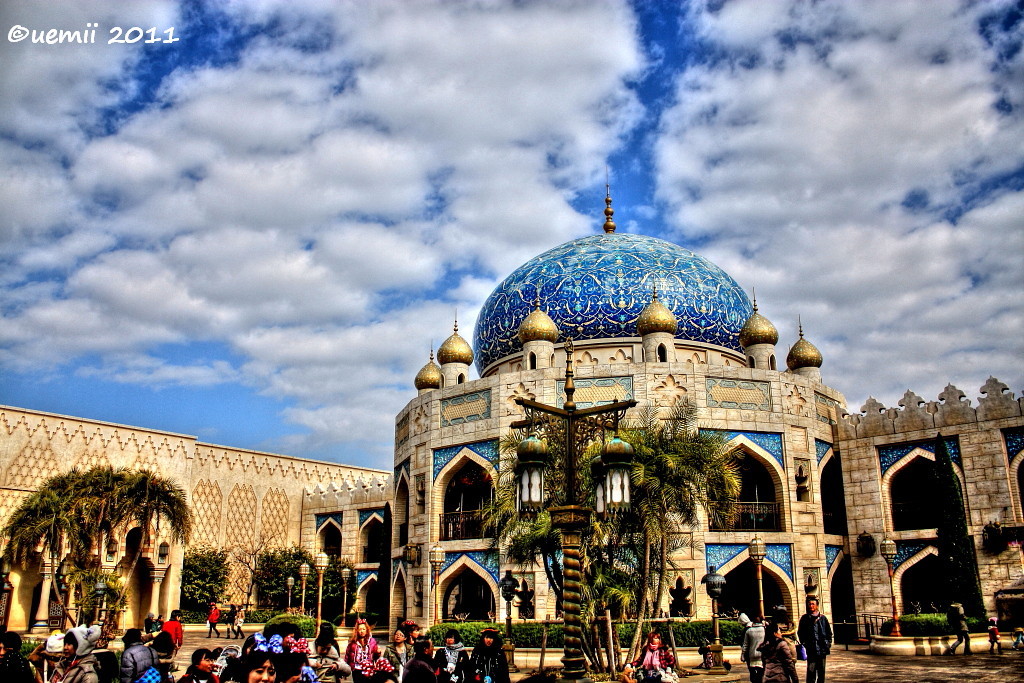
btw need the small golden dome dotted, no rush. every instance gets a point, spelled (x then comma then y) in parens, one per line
(538, 326)
(455, 349)
(804, 354)
(656, 318)
(758, 330)
(429, 376)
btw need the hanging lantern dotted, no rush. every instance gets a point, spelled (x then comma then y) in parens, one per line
(597, 476)
(617, 457)
(532, 461)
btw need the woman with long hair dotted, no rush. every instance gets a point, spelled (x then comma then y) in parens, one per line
(361, 652)
(778, 657)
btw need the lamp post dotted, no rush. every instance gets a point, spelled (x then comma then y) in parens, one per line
(436, 558)
(290, 582)
(576, 428)
(888, 549)
(303, 573)
(714, 583)
(346, 574)
(508, 586)
(758, 550)
(321, 564)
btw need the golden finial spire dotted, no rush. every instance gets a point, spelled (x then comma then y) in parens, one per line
(609, 224)
(753, 292)
(800, 326)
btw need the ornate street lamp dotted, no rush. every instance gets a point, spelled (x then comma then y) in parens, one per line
(577, 428)
(888, 550)
(436, 557)
(758, 550)
(290, 581)
(100, 593)
(508, 586)
(346, 574)
(321, 565)
(303, 573)
(714, 583)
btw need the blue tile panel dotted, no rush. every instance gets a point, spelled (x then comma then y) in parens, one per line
(466, 408)
(364, 574)
(831, 555)
(485, 449)
(782, 555)
(720, 554)
(595, 287)
(893, 453)
(821, 448)
(907, 549)
(402, 466)
(738, 395)
(324, 518)
(769, 441)
(487, 559)
(609, 389)
(395, 564)
(1014, 437)
(366, 514)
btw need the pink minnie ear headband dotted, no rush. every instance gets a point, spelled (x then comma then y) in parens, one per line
(274, 644)
(360, 620)
(300, 645)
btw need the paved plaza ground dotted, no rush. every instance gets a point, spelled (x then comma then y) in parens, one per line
(855, 665)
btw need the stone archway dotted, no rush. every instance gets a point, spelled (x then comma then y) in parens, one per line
(741, 589)
(467, 593)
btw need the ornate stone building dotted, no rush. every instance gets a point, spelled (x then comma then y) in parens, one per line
(650, 321)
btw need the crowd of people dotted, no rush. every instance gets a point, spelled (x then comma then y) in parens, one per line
(278, 654)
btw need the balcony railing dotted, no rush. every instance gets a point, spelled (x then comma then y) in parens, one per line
(750, 516)
(456, 526)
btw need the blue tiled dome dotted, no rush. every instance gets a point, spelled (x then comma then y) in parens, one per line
(596, 287)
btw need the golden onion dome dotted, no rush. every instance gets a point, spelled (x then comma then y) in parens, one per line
(455, 349)
(538, 326)
(804, 354)
(758, 330)
(656, 318)
(429, 376)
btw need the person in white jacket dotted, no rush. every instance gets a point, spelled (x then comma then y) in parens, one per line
(753, 636)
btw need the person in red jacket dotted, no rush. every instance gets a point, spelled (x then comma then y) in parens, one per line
(173, 627)
(211, 620)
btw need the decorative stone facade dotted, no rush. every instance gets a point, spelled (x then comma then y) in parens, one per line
(238, 497)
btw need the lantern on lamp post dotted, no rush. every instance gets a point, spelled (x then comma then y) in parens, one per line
(436, 557)
(758, 551)
(321, 565)
(508, 586)
(888, 550)
(290, 582)
(714, 584)
(303, 573)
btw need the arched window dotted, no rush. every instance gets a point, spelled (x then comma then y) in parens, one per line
(467, 598)
(742, 592)
(757, 506)
(913, 504)
(373, 541)
(330, 540)
(402, 513)
(750, 361)
(462, 379)
(771, 361)
(833, 497)
(921, 586)
(465, 496)
(662, 353)
(533, 360)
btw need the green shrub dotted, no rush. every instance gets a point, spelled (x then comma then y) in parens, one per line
(530, 633)
(306, 624)
(189, 616)
(931, 625)
(688, 634)
(260, 616)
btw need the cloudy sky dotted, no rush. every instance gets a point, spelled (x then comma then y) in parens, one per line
(253, 234)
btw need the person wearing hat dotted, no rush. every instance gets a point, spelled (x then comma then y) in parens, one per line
(488, 660)
(212, 619)
(14, 668)
(451, 661)
(958, 623)
(362, 652)
(136, 658)
(79, 664)
(993, 636)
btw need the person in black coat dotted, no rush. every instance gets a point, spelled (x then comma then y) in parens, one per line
(451, 662)
(488, 661)
(420, 668)
(815, 633)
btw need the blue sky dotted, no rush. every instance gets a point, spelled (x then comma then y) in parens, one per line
(254, 234)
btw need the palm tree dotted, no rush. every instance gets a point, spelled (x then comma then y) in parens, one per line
(678, 470)
(152, 499)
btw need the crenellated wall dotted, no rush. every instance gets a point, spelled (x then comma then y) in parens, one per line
(879, 441)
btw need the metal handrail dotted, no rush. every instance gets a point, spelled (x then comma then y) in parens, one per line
(751, 516)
